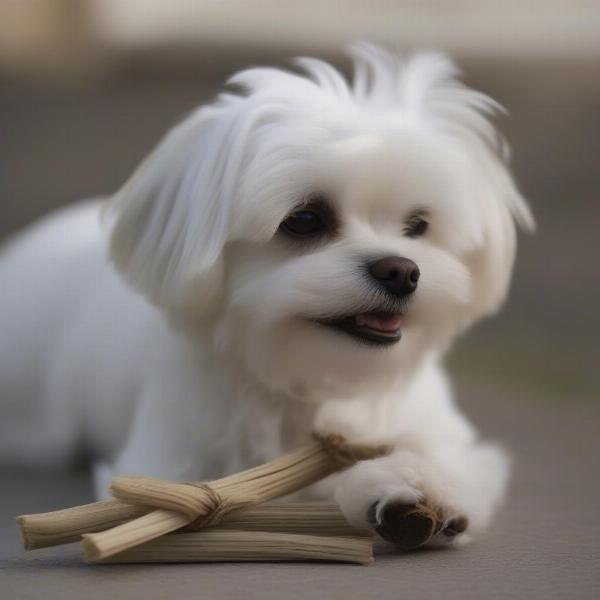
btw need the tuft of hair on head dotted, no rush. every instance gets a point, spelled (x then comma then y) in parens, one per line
(426, 85)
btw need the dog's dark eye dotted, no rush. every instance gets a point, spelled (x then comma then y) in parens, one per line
(304, 223)
(416, 226)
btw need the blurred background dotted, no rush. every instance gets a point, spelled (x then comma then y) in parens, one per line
(88, 87)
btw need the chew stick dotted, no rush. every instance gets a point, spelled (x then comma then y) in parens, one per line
(203, 504)
(216, 545)
(311, 518)
(66, 526)
(147, 508)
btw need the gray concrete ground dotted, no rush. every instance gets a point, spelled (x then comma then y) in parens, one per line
(530, 378)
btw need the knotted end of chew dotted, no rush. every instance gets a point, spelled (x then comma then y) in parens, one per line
(196, 501)
(345, 454)
(219, 508)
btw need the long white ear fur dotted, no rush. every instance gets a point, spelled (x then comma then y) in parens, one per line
(169, 222)
(502, 208)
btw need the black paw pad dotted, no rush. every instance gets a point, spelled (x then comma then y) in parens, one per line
(456, 526)
(406, 525)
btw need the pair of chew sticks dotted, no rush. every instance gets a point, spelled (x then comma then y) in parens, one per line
(151, 520)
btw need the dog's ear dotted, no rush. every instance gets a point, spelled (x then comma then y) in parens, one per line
(502, 208)
(428, 85)
(169, 223)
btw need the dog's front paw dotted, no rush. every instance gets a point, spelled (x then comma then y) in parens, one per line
(412, 525)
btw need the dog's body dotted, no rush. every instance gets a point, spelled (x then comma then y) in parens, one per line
(250, 332)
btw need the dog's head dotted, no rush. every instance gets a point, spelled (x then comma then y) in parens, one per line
(333, 233)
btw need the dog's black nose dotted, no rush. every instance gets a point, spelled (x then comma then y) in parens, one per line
(398, 275)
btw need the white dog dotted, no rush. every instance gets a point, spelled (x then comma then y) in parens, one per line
(296, 256)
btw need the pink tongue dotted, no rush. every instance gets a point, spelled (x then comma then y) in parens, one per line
(386, 322)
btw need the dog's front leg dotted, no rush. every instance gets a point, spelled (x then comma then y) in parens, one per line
(412, 498)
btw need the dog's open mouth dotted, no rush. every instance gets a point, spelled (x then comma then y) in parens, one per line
(377, 327)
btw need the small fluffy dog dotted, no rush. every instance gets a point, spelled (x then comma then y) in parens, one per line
(296, 256)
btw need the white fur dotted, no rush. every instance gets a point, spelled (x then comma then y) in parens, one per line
(201, 360)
